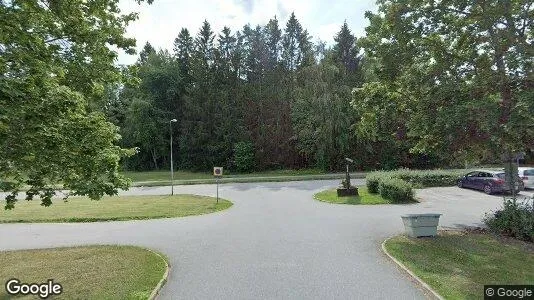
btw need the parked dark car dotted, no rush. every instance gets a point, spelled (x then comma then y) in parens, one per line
(488, 181)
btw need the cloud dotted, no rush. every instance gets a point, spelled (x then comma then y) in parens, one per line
(282, 12)
(327, 32)
(248, 5)
(161, 22)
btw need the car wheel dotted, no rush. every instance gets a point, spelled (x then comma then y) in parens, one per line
(487, 189)
(460, 184)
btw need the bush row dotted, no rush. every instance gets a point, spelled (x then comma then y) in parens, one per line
(373, 181)
(428, 178)
(398, 185)
(396, 190)
(514, 219)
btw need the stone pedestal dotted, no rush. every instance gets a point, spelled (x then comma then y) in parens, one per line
(351, 191)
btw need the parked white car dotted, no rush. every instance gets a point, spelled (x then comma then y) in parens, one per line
(527, 174)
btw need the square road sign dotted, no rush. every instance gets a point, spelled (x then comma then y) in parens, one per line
(217, 171)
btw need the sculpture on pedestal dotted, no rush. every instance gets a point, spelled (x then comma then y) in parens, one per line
(346, 188)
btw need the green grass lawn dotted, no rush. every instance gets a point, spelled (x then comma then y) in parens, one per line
(81, 209)
(94, 272)
(363, 198)
(458, 265)
(165, 175)
(186, 175)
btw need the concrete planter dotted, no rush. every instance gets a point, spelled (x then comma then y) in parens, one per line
(418, 225)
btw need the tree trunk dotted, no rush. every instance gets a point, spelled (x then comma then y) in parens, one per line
(503, 82)
(505, 90)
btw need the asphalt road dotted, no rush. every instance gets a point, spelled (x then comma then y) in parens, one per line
(276, 242)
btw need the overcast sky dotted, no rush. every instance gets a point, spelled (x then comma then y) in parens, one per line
(160, 22)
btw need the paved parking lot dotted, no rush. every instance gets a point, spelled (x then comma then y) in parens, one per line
(459, 205)
(276, 242)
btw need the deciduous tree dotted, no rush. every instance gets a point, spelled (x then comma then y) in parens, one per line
(55, 60)
(463, 71)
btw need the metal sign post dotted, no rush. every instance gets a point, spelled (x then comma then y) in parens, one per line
(172, 165)
(217, 172)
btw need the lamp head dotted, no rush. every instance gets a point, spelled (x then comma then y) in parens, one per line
(349, 160)
(174, 120)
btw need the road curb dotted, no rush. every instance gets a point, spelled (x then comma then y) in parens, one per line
(403, 267)
(161, 283)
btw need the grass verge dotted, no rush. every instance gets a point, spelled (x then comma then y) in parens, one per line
(162, 178)
(81, 209)
(364, 197)
(242, 179)
(187, 175)
(92, 272)
(458, 265)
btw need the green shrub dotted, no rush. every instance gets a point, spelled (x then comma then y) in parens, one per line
(373, 180)
(397, 186)
(244, 156)
(515, 219)
(417, 178)
(428, 178)
(396, 190)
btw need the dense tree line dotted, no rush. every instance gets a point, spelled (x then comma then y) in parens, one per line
(264, 92)
(440, 85)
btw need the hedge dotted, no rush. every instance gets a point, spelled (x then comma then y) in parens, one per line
(373, 180)
(418, 178)
(396, 190)
(515, 218)
(402, 181)
(428, 178)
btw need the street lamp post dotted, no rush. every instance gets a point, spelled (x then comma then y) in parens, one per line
(172, 165)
